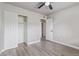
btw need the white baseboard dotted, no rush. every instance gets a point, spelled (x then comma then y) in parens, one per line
(65, 44)
(29, 43)
(2, 51)
(7, 49)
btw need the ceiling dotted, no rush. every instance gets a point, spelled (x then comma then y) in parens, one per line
(32, 6)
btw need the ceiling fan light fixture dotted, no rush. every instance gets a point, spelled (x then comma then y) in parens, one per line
(47, 3)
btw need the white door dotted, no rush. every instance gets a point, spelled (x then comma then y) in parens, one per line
(49, 29)
(21, 29)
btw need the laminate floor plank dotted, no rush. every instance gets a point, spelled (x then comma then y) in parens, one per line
(42, 48)
(35, 51)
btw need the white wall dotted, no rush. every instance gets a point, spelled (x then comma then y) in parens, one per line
(66, 25)
(1, 28)
(0, 32)
(34, 28)
(10, 19)
(11, 29)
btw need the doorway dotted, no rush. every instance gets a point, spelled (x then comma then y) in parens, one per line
(43, 28)
(22, 29)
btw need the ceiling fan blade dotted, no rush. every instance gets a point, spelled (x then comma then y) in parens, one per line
(50, 6)
(41, 5)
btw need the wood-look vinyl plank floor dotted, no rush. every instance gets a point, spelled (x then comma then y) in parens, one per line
(42, 48)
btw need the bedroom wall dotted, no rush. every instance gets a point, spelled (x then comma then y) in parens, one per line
(33, 24)
(10, 30)
(1, 28)
(66, 25)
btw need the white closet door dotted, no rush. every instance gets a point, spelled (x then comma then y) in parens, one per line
(10, 29)
(21, 29)
(49, 29)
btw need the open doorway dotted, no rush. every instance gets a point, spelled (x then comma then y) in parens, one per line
(22, 29)
(43, 29)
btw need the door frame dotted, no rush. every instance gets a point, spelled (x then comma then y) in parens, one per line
(25, 28)
(43, 29)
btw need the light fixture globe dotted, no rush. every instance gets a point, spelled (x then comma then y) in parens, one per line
(47, 3)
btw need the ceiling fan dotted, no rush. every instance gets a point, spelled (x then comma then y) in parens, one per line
(48, 4)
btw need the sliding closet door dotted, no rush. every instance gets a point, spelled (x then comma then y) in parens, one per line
(10, 29)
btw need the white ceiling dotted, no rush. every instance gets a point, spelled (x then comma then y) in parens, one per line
(44, 10)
